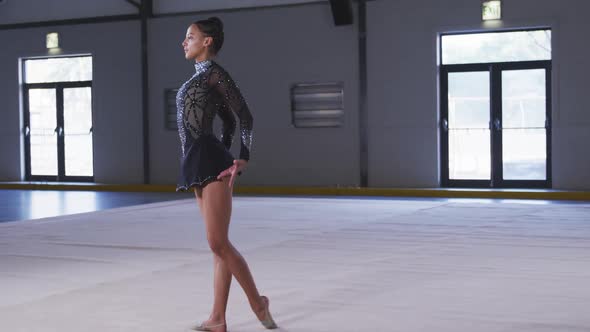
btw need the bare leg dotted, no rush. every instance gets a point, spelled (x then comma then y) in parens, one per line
(221, 284)
(216, 205)
(221, 281)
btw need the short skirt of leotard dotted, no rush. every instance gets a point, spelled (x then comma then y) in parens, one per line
(203, 160)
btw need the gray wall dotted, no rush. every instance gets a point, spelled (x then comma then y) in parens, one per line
(403, 78)
(25, 11)
(180, 6)
(116, 95)
(267, 50)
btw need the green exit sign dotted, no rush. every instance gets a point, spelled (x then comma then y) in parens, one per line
(491, 10)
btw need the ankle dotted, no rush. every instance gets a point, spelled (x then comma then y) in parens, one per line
(217, 318)
(258, 305)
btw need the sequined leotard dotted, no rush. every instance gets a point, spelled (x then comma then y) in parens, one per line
(209, 92)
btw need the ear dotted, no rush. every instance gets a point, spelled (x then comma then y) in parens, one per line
(208, 41)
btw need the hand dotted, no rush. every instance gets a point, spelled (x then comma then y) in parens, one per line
(233, 170)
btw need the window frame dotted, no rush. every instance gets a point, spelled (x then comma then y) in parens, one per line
(59, 87)
(495, 70)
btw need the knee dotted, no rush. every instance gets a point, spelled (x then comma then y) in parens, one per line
(219, 247)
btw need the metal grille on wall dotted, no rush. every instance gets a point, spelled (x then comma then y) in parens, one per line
(170, 109)
(317, 105)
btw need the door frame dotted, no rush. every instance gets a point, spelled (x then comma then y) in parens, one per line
(495, 74)
(59, 104)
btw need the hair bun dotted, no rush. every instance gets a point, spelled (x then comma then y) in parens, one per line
(217, 22)
(212, 27)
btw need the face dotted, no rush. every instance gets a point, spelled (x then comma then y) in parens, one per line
(195, 44)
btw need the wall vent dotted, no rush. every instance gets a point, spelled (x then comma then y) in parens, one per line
(170, 109)
(316, 105)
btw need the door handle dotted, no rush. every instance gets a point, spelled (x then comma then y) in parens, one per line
(91, 130)
(27, 131)
(59, 131)
(445, 124)
(497, 124)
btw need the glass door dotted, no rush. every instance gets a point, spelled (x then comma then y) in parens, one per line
(525, 127)
(42, 132)
(496, 125)
(58, 132)
(469, 142)
(77, 131)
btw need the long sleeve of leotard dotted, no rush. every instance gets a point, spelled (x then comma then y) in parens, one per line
(227, 88)
(228, 126)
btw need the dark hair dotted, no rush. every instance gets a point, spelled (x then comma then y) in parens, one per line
(212, 27)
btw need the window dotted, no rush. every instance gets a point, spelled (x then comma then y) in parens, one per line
(496, 47)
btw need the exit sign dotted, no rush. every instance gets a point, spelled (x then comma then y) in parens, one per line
(491, 10)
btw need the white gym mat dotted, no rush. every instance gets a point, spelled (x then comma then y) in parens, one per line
(326, 264)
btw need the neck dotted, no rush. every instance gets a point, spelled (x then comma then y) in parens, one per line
(203, 58)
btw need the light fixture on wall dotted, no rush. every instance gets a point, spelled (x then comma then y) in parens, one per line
(52, 40)
(491, 10)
